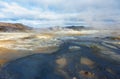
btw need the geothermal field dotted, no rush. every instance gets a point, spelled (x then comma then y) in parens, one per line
(61, 54)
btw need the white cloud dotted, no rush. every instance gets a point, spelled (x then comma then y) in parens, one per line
(60, 12)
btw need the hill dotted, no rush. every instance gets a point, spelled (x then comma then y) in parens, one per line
(13, 27)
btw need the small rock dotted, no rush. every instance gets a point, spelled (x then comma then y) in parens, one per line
(87, 74)
(74, 78)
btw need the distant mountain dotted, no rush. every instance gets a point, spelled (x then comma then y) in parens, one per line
(61, 28)
(13, 27)
(68, 27)
(75, 27)
(79, 27)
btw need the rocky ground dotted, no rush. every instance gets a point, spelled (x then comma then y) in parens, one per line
(60, 55)
(75, 59)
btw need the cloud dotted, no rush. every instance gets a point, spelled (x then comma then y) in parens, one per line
(40, 13)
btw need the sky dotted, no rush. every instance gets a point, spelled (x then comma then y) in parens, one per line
(46, 13)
